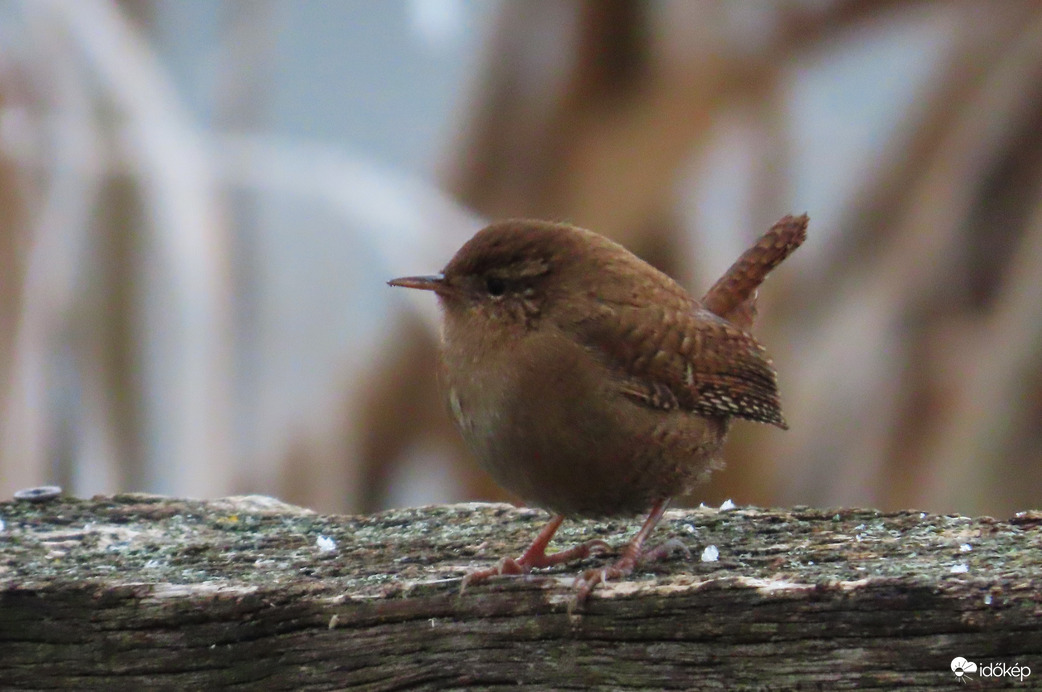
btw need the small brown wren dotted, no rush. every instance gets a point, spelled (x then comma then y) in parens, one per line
(591, 384)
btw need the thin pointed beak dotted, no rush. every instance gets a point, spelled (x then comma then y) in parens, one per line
(434, 282)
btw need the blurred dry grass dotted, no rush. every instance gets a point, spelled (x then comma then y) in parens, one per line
(909, 340)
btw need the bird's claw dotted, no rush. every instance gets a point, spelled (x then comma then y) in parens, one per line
(507, 565)
(623, 568)
(529, 561)
(664, 550)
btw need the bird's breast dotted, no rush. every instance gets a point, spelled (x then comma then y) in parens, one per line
(544, 418)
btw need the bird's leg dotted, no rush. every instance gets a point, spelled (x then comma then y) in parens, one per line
(631, 555)
(535, 555)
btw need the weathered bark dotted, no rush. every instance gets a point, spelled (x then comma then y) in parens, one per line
(142, 592)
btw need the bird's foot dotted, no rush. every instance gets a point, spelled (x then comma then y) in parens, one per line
(632, 554)
(507, 565)
(624, 567)
(592, 577)
(664, 550)
(534, 558)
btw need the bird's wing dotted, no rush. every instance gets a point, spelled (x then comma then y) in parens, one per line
(688, 358)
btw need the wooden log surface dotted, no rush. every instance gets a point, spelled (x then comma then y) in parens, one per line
(144, 592)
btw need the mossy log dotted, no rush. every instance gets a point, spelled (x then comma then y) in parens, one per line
(143, 592)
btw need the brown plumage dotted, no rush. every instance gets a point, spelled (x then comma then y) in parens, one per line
(591, 384)
(733, 296)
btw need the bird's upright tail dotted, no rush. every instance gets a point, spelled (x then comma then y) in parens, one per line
(733, 297)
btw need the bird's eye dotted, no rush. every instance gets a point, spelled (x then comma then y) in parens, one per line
(495, 286)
